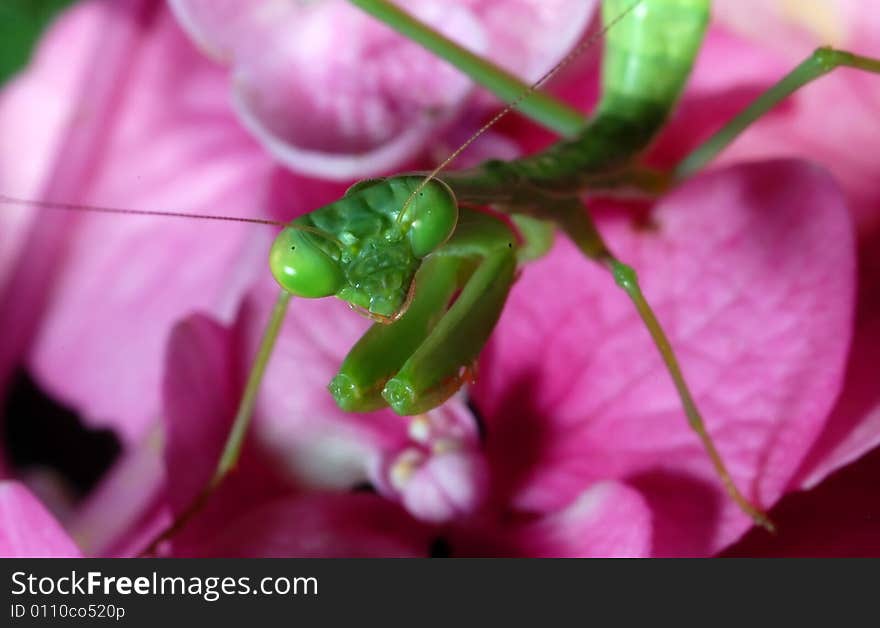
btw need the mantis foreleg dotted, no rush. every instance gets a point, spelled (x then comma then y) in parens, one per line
(436, 370)
(382, 351)
(418, 362)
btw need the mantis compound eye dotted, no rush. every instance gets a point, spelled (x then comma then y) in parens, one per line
(302, 267)
(434, 214)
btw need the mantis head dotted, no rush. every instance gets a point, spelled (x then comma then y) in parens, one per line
(361, 248)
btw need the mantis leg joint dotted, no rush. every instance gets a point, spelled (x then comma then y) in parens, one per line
(827, 58)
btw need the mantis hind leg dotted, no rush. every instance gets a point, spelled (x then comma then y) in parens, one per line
(575, 221)
(819, 63)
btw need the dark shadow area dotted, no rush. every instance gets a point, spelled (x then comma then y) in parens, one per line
(838, 518)
(364, 487)
(440, 548)
(685, 512)
(516, 426)
(38, 432)
(479, 419)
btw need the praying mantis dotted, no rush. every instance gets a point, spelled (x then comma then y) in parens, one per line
(414, 253)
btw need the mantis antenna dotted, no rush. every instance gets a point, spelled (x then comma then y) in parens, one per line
(531, 89)
(118, 211)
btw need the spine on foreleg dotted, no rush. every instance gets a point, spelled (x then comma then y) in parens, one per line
(648, 58)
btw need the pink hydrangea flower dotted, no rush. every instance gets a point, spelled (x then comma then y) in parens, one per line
(584, 451)
(93, 309)
(575, 393)
(331, 92)
(814, 124)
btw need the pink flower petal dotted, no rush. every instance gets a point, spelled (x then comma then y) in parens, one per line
(296, 417)
(124, 281)
(216, 25)
(27, 530)
(853, 427)
(712, 98)
(441, 474)
(204, 379)
(299, 438)
(609, 520)
(322, 526)
(799, 127)
(330, 91)
(448, 486)
(26, 286)
(758, 302)
(313, 84)
(128, 507)
(786, 27)
(162, 476)
(528, 37)
(33, 112)
(842, 142)
(767, 48)
(200, 388)
(298, 422)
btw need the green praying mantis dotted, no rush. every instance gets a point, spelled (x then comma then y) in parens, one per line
(400, 248)
(416, 253)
